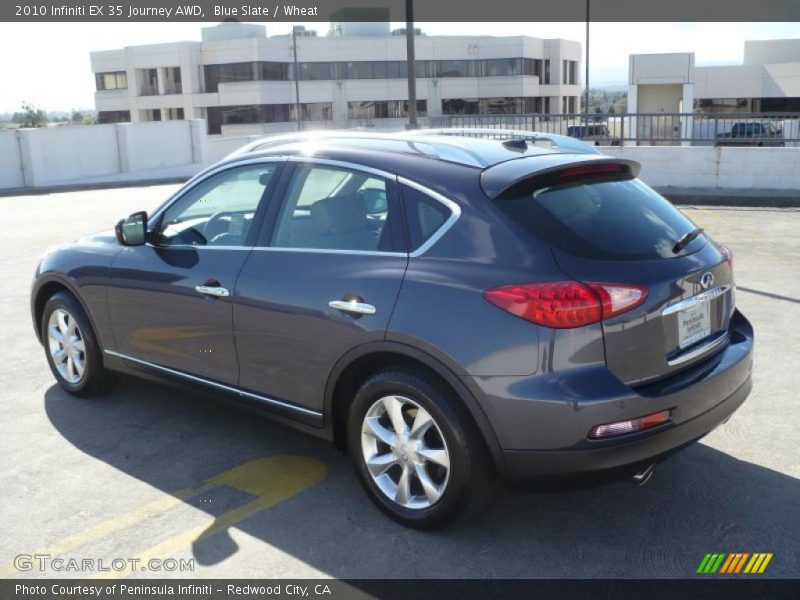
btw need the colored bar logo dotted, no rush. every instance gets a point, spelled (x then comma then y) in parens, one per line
(735, 562)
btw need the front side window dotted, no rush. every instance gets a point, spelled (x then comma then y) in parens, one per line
(330, 208)
(218, 211)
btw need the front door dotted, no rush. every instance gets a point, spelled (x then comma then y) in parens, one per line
(322, 280)
(170, 301)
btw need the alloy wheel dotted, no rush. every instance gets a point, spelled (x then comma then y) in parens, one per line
(66, 345)
(405, 452)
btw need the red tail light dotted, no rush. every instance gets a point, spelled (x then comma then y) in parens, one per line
(566, 304)
(725, 249)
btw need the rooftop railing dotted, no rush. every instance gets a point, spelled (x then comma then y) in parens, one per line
(648, 129)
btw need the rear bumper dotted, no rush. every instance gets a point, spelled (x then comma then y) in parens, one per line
(542, 422)
(633, 451)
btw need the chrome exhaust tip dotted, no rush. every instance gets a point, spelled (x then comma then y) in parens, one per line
(644, 475)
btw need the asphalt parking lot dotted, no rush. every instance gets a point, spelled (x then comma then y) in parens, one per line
(154, 472)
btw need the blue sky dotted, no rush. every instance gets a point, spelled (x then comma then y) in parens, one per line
(48, 63)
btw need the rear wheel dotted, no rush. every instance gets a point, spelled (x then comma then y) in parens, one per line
(71, 347)
(417, 452)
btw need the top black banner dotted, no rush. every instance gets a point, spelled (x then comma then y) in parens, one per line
(395, 10)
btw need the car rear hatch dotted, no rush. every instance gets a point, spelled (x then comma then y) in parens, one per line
(606, 227)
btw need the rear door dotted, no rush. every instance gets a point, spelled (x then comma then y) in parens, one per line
(323, 279)
(615, 229)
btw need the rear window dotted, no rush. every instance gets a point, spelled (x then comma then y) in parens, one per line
(606, 220)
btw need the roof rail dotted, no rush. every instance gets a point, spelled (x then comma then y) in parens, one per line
(297, 136)
(559, 141)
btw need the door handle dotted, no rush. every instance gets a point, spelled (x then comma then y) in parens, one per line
(357, 308)
(211, 290)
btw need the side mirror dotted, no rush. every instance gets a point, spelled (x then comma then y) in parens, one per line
(132, 230)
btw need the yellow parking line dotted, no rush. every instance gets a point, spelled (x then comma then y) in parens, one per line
(271, 479)
(282, 479)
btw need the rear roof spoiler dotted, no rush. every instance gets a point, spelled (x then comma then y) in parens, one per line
(499, 178)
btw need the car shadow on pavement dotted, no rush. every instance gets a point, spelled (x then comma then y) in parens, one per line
(701, 500)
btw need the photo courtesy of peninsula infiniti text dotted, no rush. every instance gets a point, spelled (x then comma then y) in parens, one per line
(453, 308)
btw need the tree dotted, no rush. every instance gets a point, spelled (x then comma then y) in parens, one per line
(87, 120)
(77, 116)
(30, 116)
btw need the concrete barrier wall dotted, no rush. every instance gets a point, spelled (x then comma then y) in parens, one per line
(220, 147)
(10, 161)
(720, 168)
(125, 152)
(90, 154)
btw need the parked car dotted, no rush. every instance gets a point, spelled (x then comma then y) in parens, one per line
(752, 134)
(447, 308)
(596, 134)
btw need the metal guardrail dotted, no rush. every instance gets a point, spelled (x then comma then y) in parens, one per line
(648, 129)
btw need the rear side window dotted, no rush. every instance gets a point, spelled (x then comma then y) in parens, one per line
(606, 220)
(424, 216)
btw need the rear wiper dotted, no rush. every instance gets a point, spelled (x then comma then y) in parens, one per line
(686, 240)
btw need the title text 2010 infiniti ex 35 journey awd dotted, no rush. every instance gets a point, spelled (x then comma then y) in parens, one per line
(449, 306)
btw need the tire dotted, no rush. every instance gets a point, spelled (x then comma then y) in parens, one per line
(65, 327)
(449, 493)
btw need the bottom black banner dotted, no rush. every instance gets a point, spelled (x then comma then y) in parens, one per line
(400, 589)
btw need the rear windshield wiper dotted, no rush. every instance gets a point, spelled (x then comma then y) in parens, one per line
(686, 240)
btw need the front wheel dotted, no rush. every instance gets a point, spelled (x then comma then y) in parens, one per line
(71, 347)
(416, 450)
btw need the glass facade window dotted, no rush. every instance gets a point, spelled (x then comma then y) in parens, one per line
(379, 69)
(454, 68)
(570, 72)
(228, 73)
(396, 69)
(461, 106)
(314, 111)
(496, 67)
(363, 69)
(358, 70)
(495, 106)
(272, 71)
(384, 109)
(317, 71)
(114, 116)
(117, 80)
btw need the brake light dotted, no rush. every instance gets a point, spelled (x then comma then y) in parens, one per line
(566, 304)
(726, 251)
(594, 169)
(629, 426)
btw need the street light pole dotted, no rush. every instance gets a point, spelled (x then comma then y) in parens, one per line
(410, 68)
(586, 83)
(298, 118)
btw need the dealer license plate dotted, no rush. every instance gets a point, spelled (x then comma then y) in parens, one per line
(694, 324)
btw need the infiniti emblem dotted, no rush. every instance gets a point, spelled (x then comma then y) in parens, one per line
(706, 281)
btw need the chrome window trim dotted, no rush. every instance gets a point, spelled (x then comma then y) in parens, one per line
(455, 213)
(214, 384)
(694, 300)
(455, 209)
(341, 164)
(328, 251)
(713, 344)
